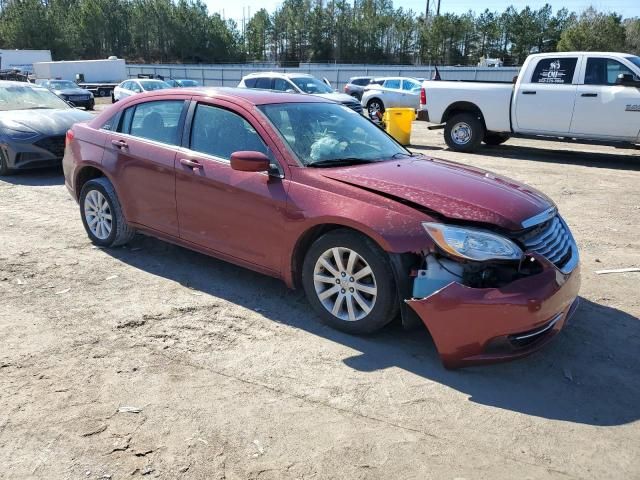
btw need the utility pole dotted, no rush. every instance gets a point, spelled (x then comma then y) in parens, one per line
(438, 10)
(426, 15)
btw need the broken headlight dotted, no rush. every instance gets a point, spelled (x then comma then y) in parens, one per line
(471, 243)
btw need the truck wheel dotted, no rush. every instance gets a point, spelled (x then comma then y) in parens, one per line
(464, 132)
(349, 282)
(494, 139)
(102, 92)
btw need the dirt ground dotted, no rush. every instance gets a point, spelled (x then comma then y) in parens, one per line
(153, 361)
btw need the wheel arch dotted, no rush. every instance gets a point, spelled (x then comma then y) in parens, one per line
(84, 174)
(463, 107)
(310, 235)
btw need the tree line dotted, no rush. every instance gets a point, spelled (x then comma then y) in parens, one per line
(342, 31)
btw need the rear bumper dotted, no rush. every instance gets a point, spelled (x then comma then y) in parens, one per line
(471, 326)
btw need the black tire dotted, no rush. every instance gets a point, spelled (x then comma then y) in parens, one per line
(121, 233)
(371, 104)
(495, 139)
(90, 107)
(103, 92)
(385, 307)
(113, 98)
(476, 132)
(4, 167)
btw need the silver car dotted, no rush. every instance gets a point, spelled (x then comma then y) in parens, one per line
(131, 87)
(33, 124)
(391, 92)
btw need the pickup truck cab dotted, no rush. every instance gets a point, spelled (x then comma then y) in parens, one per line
(581, 96)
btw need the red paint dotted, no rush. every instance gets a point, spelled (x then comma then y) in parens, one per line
(257, 220)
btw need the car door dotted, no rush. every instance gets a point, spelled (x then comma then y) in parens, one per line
(140, 155)
(238, 214)
(544, 102)
(391, 93)
(601, 108)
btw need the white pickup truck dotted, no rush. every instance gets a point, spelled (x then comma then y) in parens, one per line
(574, 96)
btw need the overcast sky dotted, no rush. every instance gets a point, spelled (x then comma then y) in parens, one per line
(628, 8)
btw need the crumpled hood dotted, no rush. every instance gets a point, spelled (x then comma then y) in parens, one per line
(451, 190)
(337, 97)
(45, 121)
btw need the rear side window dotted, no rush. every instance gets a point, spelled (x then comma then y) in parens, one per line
(555, 70)
(250, 82)
(219, 132)
(409, 85)
(158, 121)
(361, 81)
(604, 71)
(392, 83)
(264, 83)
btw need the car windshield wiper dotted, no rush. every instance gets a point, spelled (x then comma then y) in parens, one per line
(334, 162)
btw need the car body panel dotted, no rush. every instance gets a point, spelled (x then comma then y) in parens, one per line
(450, 189)
(472, 325)
(392, 97)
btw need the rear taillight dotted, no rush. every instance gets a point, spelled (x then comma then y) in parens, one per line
(423, 97)
(346, 89)
(68, 138)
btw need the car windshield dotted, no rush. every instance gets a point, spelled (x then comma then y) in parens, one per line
(634, 60)
(188, 83)
(62, 84)
(151, 85)
(18, 97)
(311, 85)
(329, 134)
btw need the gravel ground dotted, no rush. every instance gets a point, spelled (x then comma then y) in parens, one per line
(153, 361)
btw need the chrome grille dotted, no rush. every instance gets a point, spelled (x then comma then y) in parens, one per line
(54, 145)
(552, 240)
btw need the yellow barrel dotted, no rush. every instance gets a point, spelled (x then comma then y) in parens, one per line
(398, 123)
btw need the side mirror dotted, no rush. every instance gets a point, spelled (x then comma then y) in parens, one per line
(244, 161)
(627, 80)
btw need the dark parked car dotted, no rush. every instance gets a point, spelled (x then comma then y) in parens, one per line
(70, 92)
(33, 123)
(180, 83)
(355, 86)
(306, 190)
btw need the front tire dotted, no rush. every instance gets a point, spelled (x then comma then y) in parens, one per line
(464, 132)
(349, 282)
(4, 166)
(102, 215)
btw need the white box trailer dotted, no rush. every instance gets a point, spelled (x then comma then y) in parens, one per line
(98, 76)
(22, 60)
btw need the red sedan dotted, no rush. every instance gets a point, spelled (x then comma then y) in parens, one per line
(308, 191)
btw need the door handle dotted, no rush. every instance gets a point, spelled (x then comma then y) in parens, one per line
(119, 144)
(190, 163)
(589, 95)
(529, 92)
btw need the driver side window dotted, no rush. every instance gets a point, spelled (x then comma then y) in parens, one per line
(219, 132)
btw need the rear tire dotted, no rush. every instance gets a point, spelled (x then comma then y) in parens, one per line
(464, 132)
(355, 294)
(494, 139)
(102, 214)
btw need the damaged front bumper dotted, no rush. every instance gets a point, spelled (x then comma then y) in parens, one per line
(472, 326)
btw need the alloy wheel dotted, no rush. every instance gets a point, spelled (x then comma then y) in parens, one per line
(345, 284)
(98, 214)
